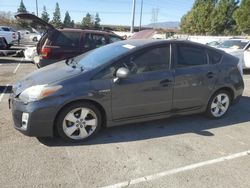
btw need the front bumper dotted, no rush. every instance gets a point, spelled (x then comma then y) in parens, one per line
(40, 122)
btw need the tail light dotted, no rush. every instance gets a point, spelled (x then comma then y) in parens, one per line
(14, 35)
(45, 53)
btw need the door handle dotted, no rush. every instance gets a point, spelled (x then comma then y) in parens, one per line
(210, 75)
(166, 82)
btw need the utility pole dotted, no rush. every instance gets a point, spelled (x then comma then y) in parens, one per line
(133, 17)
(141, 13)
(36, 8)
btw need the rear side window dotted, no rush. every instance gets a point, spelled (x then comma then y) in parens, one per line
(214, 57)
(188, 55)
(92, 41)
(70, 39)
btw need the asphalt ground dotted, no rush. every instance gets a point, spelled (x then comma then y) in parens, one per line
(190, 151)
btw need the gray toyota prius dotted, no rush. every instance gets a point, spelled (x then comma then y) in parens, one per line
(125, 82)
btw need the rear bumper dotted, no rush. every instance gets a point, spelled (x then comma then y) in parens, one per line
(45, 62)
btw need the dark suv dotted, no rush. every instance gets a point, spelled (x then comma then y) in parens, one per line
(59, 44)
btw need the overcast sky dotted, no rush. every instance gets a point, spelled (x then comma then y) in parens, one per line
(111, 11)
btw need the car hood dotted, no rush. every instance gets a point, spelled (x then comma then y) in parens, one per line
(45, 76)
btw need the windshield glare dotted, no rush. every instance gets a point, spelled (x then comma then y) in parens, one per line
(100, 56)
(234, 44)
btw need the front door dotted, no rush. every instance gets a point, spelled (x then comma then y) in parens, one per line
(149, 88)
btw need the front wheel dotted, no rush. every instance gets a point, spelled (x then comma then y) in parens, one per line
(218, 104)
(79, 122)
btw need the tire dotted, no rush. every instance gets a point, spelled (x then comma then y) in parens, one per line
(79, 122)
(218, 104)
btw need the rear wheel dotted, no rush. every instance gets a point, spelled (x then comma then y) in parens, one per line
(79, 122)
(219, 104)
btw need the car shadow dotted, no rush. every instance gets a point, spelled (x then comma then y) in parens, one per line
(197, 124)
(5, 89)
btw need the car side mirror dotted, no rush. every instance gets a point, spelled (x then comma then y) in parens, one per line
(121, 73)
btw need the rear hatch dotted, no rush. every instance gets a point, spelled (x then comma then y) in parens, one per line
(32, 18)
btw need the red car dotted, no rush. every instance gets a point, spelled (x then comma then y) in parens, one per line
(59, 44)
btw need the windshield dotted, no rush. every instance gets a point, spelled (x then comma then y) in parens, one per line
(234, 44)
(100, 56)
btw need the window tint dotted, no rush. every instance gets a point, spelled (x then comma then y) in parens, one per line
(214, 57)
(114, 39)
(67, 39)
(190, 56)
(151, 60)
(94, 40)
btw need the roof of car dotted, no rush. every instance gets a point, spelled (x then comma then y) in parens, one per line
(86, 30)
(149, 42)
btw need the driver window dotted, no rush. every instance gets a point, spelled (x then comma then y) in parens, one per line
(155, 59)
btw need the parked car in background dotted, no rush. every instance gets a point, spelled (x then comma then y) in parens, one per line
(59, 44)
(125, 82)
(239, 48)
(6, 28)
(214, 43)
(9, 35)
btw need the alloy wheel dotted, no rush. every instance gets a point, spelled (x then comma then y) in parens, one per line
(79, 123)
(220, 104)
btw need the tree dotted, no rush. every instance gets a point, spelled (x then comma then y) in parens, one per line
(72, 24)
(242, 16)
(187, 25)
(210, 17)
(198, 19)
(22, 7)
(87, 21)
(222, 17)
(45, 14)
(56, 21)
(97, 20)
(67, 20)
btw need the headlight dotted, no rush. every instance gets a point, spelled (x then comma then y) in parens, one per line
(38, 92)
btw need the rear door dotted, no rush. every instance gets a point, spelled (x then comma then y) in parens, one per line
(194, 77)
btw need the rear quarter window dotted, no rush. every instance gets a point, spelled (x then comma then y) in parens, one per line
(214, 57)
(68, 39)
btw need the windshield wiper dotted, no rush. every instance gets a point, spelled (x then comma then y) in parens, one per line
(74, 64)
